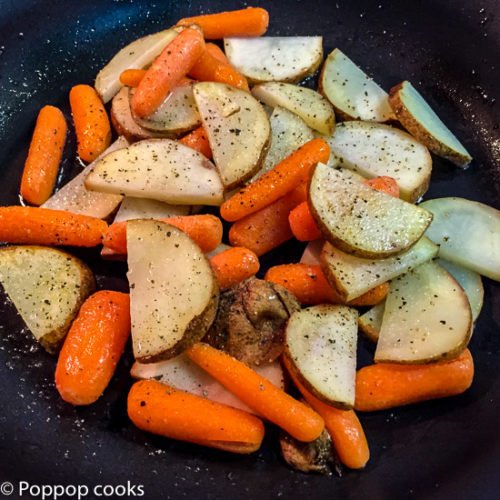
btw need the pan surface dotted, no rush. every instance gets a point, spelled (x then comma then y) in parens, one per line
(443, 449)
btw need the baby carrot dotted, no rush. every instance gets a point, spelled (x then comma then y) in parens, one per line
(268, 228)
(302, 223)
(387, 385)
(309, 284)
(252, 21)
(160, 409)
(198, 140)
(43, 226)
(209, 69)
(234, 265)
(279, 181)
(344, 427)
(217, 52)
(385, 184)
(92, 127)
(132, 77)
(205, 230)
(257, 392)
(93, 347)
(174, 62)
(44, 156)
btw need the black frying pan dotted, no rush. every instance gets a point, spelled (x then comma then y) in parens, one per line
(444, 449)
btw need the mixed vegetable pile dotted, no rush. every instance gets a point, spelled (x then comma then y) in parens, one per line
(200, 127)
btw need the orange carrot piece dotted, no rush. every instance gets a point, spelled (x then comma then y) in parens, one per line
(268, 228)
(92, 127)
(174, 62)
(279, 181)
(160, 409)
(93, 347)
(386, 184)
(209, 69)
(388, 385)
(205, 230)
(344, 427)
(44, 156)
(43, 226)
(302, 223)
(132, 77)
(309, 284)
(217, 52)
(198, 140)
(257, 392)
(252, 21)
(234, 265)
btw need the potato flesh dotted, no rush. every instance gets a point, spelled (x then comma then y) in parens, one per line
(158, 169)
(171, 285)
(352, 91)
(353, 276)
(312, 253)
(312, 107)
(468, 234)
(321, 344)
(374, 149)
(280, 58)
(371, 321)
(361, 220)
(140, 208)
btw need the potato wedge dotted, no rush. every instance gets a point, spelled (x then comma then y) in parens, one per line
(75, 197)
(374, 149)
(173, 291)
(354, 95)
(427, 318)
(371, 321)
(360, 220)
(312, 253)
(353, 276)
(140, 208)
(238, 130)
(424, 124)
(158, 169)
(47, 286)
(136, 55)
(467, 233)
(320, 343)
(312, 107)
(275, 58)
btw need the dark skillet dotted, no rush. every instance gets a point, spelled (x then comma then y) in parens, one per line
(444, 449)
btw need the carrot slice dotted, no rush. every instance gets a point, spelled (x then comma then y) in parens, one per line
(174, 62)
(234, 265)
(92, 127)
(252, 21)
(43, 226)
(44, 156)
(268, 228)
(205, 230)
(132, 77)
(257, 392)
(388, 385)
(279, 181)
(302, 223)
(160, 409)
(93, 347)
(344, 427)
(385, 184)
(198, 140)
(217, 52)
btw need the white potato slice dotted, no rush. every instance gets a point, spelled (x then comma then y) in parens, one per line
(374, 149)
(360, 220)
(75, 197)
(140, 208)
(353, 276)
(467, 233)
(47, 286)
(181, 373)
(312, 253)
(371, 321)
(471, 283)
(158, 169)
(312, 107)
(320, 343)
(238, 130)
(275, 58)
(427, 318)
(136, 55)
(173, 291)
(354, 95)
(424, 124)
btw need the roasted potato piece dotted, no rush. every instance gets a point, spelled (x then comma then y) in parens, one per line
(371, 321)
